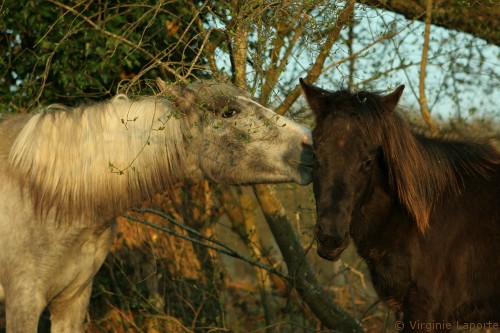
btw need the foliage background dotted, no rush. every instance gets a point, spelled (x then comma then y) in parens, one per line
(73, 52)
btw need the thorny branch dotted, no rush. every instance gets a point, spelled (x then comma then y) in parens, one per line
(199, 239)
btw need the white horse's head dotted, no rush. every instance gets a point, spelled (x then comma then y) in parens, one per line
(232, 139)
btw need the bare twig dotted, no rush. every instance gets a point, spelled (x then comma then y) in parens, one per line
(104, 31)
(274, 71)
(385, 36)
(317, 67)
(219, 247)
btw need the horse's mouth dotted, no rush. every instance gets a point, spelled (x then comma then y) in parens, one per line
(306, 166)
(303, 171)
(301, 163)
(332, 253)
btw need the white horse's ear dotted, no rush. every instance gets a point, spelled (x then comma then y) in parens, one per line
(168, 89)
(179, 96)
(161, 84)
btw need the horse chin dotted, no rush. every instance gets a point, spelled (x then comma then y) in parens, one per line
(331, 254)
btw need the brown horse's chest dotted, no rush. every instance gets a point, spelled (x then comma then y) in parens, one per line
(390, 275)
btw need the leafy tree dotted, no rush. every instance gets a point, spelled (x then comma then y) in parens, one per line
(66, 51)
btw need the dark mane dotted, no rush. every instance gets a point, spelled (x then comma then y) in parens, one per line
(422, 169)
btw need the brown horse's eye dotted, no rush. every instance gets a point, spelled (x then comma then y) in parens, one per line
(228, 113)
(366, 165)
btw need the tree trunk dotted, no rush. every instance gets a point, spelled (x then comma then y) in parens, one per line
(304, 279)
(422, 99)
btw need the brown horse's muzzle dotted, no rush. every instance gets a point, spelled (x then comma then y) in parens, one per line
(330, 247)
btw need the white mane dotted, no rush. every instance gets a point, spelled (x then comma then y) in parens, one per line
(100, 159)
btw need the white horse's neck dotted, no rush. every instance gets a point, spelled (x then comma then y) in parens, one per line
(99, 159)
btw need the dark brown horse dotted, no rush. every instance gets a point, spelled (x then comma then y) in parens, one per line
(423, 212)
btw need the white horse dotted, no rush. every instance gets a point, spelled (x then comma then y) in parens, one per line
(66, 173)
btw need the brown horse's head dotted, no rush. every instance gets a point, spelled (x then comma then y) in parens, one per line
(345, 154)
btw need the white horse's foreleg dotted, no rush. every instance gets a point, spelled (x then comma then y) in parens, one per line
(68, 314)
(23, 309)
(69, 307)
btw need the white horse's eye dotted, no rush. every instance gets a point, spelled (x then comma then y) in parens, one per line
(228, 113)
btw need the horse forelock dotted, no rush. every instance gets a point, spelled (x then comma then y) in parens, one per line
(99, 159)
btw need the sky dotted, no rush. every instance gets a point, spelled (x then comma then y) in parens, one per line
(462, 76)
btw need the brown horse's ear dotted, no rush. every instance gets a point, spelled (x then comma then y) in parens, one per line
(391, 101)
(314, 96)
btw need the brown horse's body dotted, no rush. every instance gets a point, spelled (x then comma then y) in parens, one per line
(448, 274)
(424, 213)
(66, 173)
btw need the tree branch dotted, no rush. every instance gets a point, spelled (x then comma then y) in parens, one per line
(478, 18)
(422, 100)
(240, 45)
(219, 246)
(274, 71)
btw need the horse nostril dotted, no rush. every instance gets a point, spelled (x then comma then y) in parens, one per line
(319, 234)
(317, 229)
(307, 139)
(328, 238)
